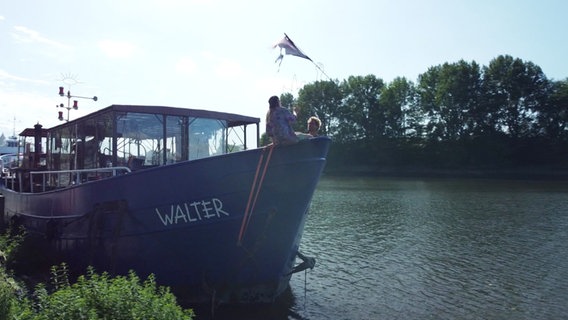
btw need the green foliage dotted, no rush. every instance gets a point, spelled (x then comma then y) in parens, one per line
(264, 140)
(7, 294)
(553, 116)
(397, 101)
(323, 100)
(11, 291)
(362, 113)
(99, 296)
(94, 296)
(515, 90)
(456, 115)
(9, 242)
(448, 96)
(287, 101)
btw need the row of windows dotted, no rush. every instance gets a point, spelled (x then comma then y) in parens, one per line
(135, 139)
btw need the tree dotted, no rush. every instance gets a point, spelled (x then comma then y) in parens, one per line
(553, 116)
(457, 114)
(361, 116)
(323, 100)
(287, 101)
(515, 91)
(426, 101)
(448, 95)
(397, 101)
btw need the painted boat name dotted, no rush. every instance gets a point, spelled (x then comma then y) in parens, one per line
(192, 212)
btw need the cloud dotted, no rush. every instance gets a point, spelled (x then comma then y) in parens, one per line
(26, 35)
(117, 49)
(7, 76)
(186, 65)
(228, 69)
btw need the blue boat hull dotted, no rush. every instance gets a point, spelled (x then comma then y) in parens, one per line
(226, 227)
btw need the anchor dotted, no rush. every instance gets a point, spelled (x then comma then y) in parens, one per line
(307, 262)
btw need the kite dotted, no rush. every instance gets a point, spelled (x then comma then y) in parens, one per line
(288, 46)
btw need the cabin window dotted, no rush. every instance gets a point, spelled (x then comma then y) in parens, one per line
(207, 137)
(85, 145)
(135, 140)
(140, 139)
(62, 149)
(176, 139)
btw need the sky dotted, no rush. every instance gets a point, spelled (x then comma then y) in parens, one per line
(219, 55)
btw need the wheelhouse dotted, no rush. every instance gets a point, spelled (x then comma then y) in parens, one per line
(121, 139)
(140, 137)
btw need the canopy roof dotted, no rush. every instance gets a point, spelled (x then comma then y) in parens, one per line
(231, 118)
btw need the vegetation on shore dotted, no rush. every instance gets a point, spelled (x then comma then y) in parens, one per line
(92, 296)
(506, 117)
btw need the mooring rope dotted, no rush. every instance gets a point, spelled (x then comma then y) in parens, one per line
(261, 180)
(254, 191)
(305, 287)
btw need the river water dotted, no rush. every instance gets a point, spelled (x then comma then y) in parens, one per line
(430, 249)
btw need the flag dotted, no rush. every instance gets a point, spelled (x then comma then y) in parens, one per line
(288, 46)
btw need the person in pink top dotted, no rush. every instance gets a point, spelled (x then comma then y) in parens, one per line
(279, 122)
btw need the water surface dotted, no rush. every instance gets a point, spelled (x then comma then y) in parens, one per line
(431, 249)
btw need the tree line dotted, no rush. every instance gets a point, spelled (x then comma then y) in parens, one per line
(459, 115)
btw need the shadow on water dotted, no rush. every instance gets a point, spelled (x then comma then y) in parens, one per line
(282, 308)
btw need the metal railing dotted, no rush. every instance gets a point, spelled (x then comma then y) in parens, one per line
(41, 181)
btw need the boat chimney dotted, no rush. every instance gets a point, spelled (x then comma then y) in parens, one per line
(37, 145)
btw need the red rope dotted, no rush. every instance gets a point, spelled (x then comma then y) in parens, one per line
(261, 180)
(248, 213)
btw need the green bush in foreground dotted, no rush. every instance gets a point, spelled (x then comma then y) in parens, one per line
(10, 289)
(98, 296)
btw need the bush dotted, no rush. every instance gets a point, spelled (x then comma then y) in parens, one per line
(7, 296)
(99, 296)
(10, 240)
(11, 292)
(94, 296)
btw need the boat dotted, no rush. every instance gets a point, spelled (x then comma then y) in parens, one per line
(176, 193)
(10, 145)
(7, 162)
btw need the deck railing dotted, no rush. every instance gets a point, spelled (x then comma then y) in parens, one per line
(41, 181)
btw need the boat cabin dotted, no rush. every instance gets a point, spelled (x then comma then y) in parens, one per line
(134, 137)
(144, 136)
